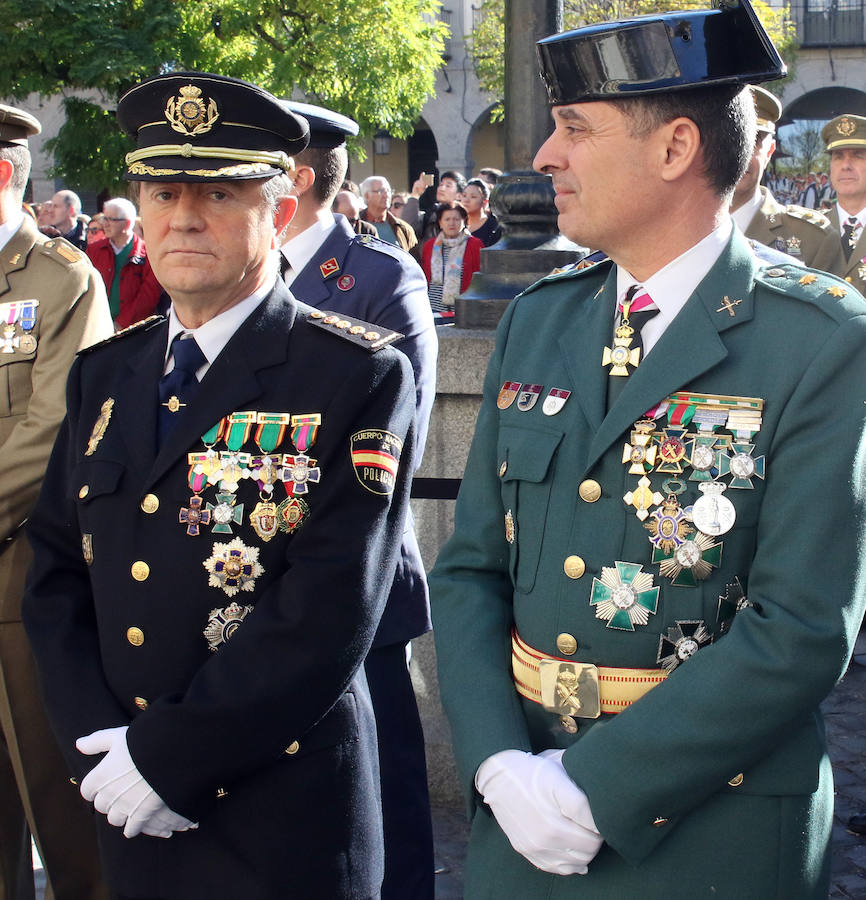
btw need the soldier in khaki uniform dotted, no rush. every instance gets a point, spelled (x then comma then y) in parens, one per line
(805, 234)
(845, 140)
(51, 303)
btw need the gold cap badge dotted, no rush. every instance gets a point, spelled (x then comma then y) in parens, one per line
(188, 114)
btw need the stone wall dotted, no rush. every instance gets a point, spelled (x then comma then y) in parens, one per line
(463, 359)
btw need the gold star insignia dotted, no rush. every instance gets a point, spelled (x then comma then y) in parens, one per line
(836, 291)
(809, 279)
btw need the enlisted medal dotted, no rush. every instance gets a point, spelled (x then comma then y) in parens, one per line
(263, 518)
(225, 514)
(233, 567)
(305, 429)
(713, 514)
(642, 498)
(672, 450)
(223, 623)
(291, 514)
(554, 401)
(508, 394)
(10, 339)
(689, 562)
(681, 642)
(99, 426)
(742, 466)
(298, 473)
(668, 525)
(641, 452)
(624, 596)
(528, 397)
(27, 342)
(193, 516)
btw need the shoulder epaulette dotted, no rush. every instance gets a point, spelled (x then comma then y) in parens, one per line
(376, 243)
(592, 263)
(143, 325)
(60, 250)
(357, 331)
(827, 291)
(808, 215)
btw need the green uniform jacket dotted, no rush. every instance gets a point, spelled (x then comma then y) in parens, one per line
(806, 234)
(657, 775)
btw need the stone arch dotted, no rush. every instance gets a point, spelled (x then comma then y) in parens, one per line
(485, 143)
(825, 103)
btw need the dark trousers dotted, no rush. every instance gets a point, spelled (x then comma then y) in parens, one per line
(405, 800)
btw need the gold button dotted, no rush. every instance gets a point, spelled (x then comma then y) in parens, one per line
(140, 570)
(83, 491)
(566, 643)
(574, 566)
(660, 821)
(135, 636)
(736, 781)
(140, 702)
(568, 724)
(503, 468)
(293, 748)
(222, 792)
(849, 279)
(589, 490)
(150, 504)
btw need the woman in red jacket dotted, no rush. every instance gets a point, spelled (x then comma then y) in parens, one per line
(450, 259)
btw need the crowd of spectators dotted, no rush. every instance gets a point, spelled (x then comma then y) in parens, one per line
(812, 190)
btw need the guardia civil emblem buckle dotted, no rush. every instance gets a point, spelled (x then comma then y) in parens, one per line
(188, 113)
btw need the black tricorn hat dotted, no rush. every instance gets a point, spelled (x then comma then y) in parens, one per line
(328, 129)
(193, 126)
(659, 53)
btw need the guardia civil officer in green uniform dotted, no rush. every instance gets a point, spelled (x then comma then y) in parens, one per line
(217, 534)
(845, 140)
(52, 303)
(656, 572)
(805, 234)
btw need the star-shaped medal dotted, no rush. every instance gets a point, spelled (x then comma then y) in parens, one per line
(233, 567)
(681, 642)
(690, 562)
(624, 596)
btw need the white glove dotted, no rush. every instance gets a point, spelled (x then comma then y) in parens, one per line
(117, 789)
(544, 814)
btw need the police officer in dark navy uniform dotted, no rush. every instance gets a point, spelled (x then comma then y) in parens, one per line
(226, 490)
(330, 267)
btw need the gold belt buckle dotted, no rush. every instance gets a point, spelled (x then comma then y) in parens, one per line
(570, 688)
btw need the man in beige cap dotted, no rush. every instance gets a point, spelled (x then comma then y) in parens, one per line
(805, 234)
(845, 140)
(52, 302)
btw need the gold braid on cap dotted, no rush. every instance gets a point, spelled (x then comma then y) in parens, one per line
(278, 160)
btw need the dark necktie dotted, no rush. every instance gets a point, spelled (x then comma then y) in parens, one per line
(850, 235)
(640, 309)
(177, 388)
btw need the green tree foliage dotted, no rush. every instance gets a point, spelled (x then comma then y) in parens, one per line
(375, 62)
(487, 43)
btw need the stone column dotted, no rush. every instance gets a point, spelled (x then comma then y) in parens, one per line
(531, 246)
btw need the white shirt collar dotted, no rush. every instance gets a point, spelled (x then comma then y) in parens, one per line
(216, 332)
(672, 285)
(744, 215)
(9, 229)
(843, 215)
(301, 248)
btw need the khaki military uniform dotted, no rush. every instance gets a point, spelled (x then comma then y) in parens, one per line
(853, 270)
(806, 234)
(34, 361)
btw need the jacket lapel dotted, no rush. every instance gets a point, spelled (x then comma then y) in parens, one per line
(691, 345)
(234, 381)
(16, 251)
(310, 284)
(857, 254)
(582, 348)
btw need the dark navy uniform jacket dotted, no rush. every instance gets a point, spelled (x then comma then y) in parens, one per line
(268, 741)
(363, 276)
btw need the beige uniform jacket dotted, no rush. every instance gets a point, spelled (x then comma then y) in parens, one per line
(805, 234)
(72, 313)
